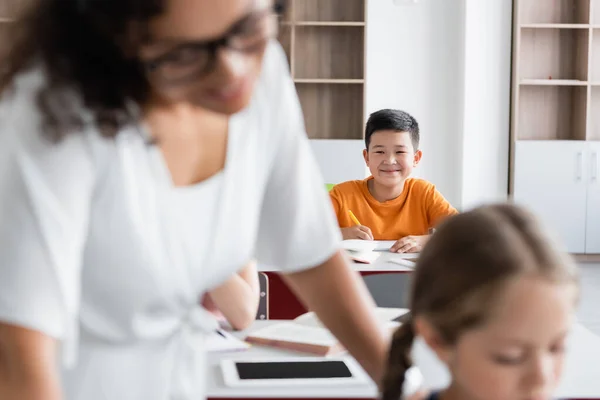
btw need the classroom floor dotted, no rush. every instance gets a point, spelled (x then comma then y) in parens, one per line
(391, 291)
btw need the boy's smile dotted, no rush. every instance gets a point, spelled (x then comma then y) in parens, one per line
(391, 158)
(389, 170)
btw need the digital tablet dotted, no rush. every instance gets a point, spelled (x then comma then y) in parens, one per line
(300, 371)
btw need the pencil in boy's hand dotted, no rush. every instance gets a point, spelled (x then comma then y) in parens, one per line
(353, 218)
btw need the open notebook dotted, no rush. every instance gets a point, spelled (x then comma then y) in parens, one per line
(223, 341)
(370, 251)
(307, 334)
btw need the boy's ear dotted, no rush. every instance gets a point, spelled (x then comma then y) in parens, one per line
(433, 339)
(418, 155)
(366, 157)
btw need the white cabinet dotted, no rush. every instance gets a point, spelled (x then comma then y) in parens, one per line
(592, 236)
(559, 181)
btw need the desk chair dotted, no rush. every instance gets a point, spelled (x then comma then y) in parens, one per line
(263, 302)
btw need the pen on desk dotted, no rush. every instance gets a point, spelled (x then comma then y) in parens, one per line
(353, 218)
(221, 334)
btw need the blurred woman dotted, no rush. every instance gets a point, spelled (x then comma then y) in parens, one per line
(148, 149)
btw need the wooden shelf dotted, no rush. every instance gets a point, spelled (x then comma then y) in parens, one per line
(326, 52)
(332, 111)
(595, 56)
(552, 82)
(552, 113)
(552, 70)
(324, 41)
(331, 81)
(558, 53)
(555, 116)
(329, 10)
(594, 128)
(555, 26)
(554, 11)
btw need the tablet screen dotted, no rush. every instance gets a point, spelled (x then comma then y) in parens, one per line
(293, 370)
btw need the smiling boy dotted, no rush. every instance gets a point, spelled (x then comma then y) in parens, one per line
(389, 204)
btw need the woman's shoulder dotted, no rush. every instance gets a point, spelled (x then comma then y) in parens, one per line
(274, 62)
(22, 115)
(21, 122)
(22, 129)
(274, 78)
(19, 96)
(274, 114)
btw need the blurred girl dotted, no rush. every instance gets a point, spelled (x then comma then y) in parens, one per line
(494, 299)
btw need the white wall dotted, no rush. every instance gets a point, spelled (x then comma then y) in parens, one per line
(414, 62)
(427, 58)
(486, 117)
(340, 160)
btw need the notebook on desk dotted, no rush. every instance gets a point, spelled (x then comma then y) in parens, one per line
(308, 335)
(358, 245)
(223, 341)
(363, 257)
(361, 251)
(369, 251)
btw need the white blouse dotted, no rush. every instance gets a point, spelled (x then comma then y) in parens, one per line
(93, 251)
(193, 209)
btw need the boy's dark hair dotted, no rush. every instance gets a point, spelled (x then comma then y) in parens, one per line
(392, 120)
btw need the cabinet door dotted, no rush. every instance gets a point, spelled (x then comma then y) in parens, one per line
(592, 236)
(550, 179)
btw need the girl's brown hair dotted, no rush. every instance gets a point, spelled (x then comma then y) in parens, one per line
(461, 271)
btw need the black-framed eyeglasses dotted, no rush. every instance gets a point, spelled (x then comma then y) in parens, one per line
(192, 60)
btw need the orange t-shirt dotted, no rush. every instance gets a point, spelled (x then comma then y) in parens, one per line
(418, 208)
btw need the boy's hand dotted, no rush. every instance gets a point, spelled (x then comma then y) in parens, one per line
(410, 244)
(357, 232)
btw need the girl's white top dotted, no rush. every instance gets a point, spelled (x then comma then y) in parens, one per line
(96, 251)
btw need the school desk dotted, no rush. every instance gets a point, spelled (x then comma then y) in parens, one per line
(283, 304)
(581, 378)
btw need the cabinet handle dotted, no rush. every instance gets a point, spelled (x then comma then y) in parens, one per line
(579, 165)
(594, 166)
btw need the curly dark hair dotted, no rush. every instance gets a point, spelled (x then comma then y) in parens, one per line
(86, 47)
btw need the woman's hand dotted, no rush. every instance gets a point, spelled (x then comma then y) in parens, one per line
(210, 306)
(237, 299)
